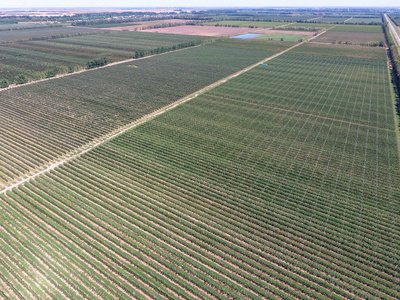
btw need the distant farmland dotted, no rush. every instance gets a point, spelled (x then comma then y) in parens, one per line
(282, 182)
(237, 169)
(245, 24)
(27, 33)
(55, 117)
(61, 55)
(353, 34)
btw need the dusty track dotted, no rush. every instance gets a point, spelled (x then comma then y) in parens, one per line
(393, 30)
(97, 142)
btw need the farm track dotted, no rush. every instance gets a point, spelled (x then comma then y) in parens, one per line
(396, 94)
(84, 149)
(393, 30)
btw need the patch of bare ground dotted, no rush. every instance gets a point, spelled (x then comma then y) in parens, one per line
(214, 31)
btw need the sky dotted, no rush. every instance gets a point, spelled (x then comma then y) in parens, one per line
(191, 3)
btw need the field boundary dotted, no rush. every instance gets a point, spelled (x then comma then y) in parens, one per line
(394, 94)
(115, 133)
(394, 88)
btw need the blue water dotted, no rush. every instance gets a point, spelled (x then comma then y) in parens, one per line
(246, 36)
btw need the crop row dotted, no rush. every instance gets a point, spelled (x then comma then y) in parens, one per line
(50, 56)
(288, 191)
(44, 121)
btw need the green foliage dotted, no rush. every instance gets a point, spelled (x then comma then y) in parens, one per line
(49, 73)
(20, 79)
(279, 183)
(98, 62)
(394, 53)
(4, 83)
(341, 50)
(250, 24)
(143, 53)
(109, 102)
(73, 53)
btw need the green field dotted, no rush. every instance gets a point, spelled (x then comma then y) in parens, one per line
(367, 35)
(332, 19)
(358, 28)
(320, 26)
(365, 20)
(20, 26)
(33, 58)
(42, 32)
(341, 51)
(43, 121)
(163, 178)
(279, 183)
(285, 37)
(246, 24)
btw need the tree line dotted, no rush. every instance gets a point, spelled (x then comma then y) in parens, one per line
(143, 53)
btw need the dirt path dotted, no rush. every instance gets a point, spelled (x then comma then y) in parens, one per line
(97, 142)
(348, 20)
(393, 30)
(317, 18)
(283, 25)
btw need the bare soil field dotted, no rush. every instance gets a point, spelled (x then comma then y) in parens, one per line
(203, 30)
(136, 26)
(221, 31)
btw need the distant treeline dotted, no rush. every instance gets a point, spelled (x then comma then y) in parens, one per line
(394, 54)
(396, 20)
(340, 22)
(58, 36)
(95, 63)
(297, 28)
(171, 24)
(143, 53)
(28, 27)
(55, 36)
(127, 19)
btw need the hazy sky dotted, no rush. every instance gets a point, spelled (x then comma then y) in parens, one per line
(191, 3)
